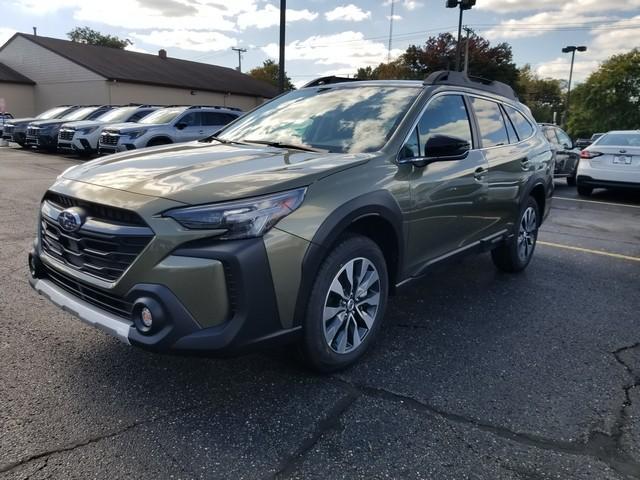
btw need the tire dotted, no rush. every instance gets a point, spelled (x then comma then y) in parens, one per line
(585, 190)
(571, 181)
(339, 327)
(515, 254)
(154, 142)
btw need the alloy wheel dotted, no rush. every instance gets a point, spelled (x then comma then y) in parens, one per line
(351, 305)
(527, 233)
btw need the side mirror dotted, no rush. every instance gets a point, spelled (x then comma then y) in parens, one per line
(181, 125)
(566, 146)
(442, 148)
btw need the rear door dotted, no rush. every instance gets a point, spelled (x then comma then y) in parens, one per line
(508, 160)
(446, 196)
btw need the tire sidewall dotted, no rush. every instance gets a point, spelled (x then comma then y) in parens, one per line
(315, 347)
(514, 246)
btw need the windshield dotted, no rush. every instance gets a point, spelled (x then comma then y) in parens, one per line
(619, 140)
(52, 113)
(79, 114)
(164, 115)
(117, 114)
(343, 119)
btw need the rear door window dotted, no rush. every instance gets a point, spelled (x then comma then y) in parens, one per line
(520, 123)
(492, 128)
(217, 118)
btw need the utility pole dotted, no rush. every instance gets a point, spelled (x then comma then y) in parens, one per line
(570, 49)
(390, 30)
(466, 51)
(240, 52)
(283, 21)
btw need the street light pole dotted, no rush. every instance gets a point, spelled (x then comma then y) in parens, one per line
(570, 49)
(283, 21)
(464, 5)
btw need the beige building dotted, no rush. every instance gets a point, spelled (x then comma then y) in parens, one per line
(37, 73)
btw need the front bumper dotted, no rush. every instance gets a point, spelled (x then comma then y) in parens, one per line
(42, 141)
(78, 144)
(252, 317)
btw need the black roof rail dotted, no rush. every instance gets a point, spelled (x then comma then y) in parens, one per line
(460, 79)
(215, 106)
(329, 80)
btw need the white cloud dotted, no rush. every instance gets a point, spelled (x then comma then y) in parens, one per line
(571, 6)
(349, 13)
(618, 37)
(348, 49)
(395, 17)
(538, 24)
(199, 41)
(269, 16)
(406, 4)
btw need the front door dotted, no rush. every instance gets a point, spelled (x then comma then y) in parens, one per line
(446, 196)
(189, 127)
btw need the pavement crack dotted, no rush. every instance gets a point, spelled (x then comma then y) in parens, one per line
(7, 467)
(330, 421)
(604, 447)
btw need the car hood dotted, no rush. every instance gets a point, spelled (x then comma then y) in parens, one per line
(19, 121)
(82, 124)
(199, 172)
(129, 126)
(47, 123)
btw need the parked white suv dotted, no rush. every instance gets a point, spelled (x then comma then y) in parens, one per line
(612, 161)
(168, 125)
(82, 137)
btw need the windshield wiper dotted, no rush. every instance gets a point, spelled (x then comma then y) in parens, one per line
(294, 146)
(222, 140)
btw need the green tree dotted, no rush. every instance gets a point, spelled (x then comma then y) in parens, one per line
(438, 53)
(269, 73)
(609, 99)
(93, 37)
(542, 95)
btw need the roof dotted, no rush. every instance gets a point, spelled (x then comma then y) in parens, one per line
(144, 68)
(9, 75)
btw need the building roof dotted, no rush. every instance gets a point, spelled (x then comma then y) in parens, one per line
(144, 68)
(9, 75)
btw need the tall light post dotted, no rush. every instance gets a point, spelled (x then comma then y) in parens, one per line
(464, 5)
(283, 22)
(570, 49)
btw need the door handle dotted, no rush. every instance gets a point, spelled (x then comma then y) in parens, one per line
(480, 173)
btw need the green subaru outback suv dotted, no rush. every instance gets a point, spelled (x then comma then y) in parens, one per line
(298, 220)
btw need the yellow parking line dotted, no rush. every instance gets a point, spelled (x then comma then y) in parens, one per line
(596, 201)
(588, 250)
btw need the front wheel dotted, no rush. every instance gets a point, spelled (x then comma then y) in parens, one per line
(515, 254)
(346, 306)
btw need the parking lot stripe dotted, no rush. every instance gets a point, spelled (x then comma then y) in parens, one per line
(596, 201)
(588, 250)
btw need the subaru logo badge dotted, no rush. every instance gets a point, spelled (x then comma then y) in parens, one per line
(71, 219)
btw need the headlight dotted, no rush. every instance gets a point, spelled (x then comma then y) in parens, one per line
(136, 133)
(86, 130)
(248, 218)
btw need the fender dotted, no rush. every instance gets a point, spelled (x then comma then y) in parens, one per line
(160, 137)
(375, 204)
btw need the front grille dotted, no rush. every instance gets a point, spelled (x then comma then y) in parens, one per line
(106, 244)
(66, 134)
(8, 129)
(33, 131)
(95, 296)
(109, 138)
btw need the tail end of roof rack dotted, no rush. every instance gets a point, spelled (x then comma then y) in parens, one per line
(461, 79)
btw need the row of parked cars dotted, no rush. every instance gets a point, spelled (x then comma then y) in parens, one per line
(90, 129)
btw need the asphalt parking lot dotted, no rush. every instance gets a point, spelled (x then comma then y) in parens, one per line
(478, 374)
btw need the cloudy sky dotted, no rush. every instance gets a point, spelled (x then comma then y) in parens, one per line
(327, 36)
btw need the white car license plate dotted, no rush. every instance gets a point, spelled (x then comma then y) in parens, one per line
(622, 159)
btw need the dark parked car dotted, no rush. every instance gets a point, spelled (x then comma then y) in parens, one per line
(296, 221)
(16, 129)
(583, 143)
(4, 118)
(567, 155)
(44, 133)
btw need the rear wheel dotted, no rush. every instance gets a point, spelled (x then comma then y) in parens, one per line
(347, 305)
(585, 190)
(515, 254)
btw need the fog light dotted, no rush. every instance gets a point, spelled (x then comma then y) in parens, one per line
(146, 317)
